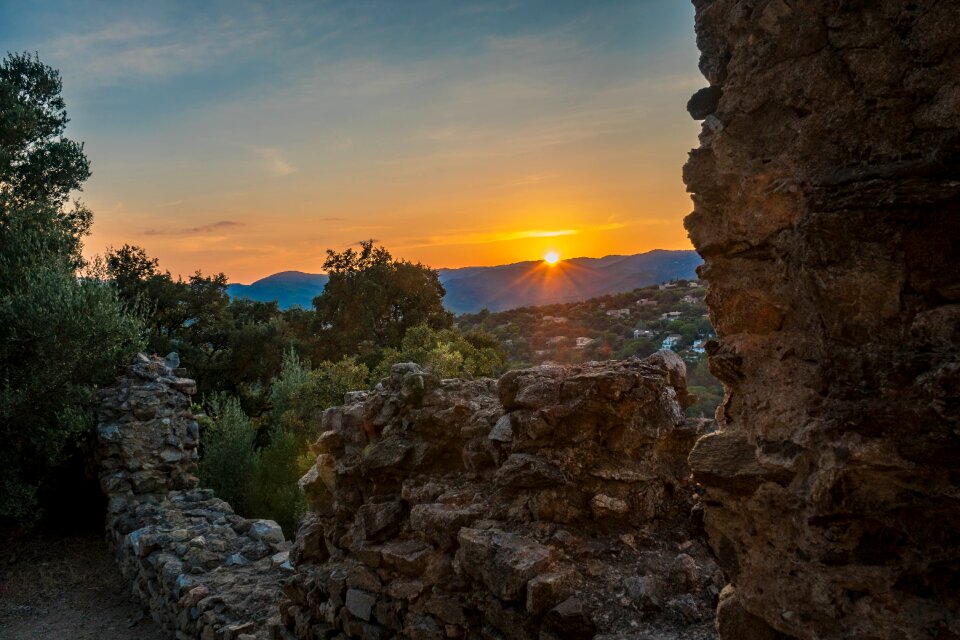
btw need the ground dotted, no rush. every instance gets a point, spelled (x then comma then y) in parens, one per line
(54, 587)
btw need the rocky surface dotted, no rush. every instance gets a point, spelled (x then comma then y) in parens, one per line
(552, 503)
(827, 209)
(200, 569)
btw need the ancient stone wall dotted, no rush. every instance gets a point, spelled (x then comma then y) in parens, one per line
(552, 503)
(827, 209)
(200, 569)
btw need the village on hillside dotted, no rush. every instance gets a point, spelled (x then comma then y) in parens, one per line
(672, 315)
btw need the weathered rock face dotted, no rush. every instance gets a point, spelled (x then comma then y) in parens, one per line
(552, 503)
(827, 209)
(203, 571)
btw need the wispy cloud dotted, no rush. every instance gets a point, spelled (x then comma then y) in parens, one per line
(134, 50)
(274, 161)
(534, 178)
(201, 229)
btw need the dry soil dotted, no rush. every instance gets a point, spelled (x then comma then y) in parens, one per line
(66, 588)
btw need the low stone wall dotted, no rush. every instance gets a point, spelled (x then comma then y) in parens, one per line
(553, 503)
(200, 569)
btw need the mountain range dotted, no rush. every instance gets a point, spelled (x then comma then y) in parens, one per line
(508, 286)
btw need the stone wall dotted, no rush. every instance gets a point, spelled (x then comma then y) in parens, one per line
(553, 503)
(827, 209)
(201, 570)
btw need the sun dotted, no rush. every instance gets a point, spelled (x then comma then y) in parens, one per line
(551, 257)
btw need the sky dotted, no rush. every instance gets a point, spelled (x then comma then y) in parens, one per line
(249, 137)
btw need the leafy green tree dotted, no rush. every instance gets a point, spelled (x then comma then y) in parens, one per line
(230, 460)
(191, 317)
(371, 300)
(640, 347)
(298, 394)
(60, 335)
(448, 353)
(276, 494)
(37, 164)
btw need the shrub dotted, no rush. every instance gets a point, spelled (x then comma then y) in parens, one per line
(230, 460)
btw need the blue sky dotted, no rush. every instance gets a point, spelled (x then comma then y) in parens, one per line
(248, 137)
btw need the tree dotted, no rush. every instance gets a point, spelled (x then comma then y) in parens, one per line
(371, 300)
(37, 164)
(131, 269)
(60, 335)
(230, 460)
(447, 353)
(190, 317)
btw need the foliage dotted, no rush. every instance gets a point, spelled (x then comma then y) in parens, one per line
(549, 333)
(708, 398)
(371, 300)
(230, 461)
(276, 494)
(60, 335)
(446, 352)
(37, 164)
(258, 462)
(190, 317)
(637, 347)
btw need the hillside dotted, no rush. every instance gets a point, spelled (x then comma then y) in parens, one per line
(470, 289)
(288, 288)
(638, 323)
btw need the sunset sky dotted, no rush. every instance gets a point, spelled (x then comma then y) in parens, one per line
(249, 137)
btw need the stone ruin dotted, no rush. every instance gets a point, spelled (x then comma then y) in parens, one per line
(201, 570)
(553, 503)
(827, 210)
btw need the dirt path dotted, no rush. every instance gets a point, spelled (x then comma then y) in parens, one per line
(66, 588)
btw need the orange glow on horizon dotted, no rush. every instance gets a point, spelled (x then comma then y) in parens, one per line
(551, 257)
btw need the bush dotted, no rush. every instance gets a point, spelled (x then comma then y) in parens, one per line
(261, 482)
(446, 352)
(60, 335)
(275, 493)
(708, 398)
(230, 460)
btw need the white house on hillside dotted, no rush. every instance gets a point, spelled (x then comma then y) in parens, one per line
(671, 341)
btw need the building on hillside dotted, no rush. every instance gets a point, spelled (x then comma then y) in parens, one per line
(583, 342)
(693, 284)
(646, 302)
(698, 347)
(555, 319)
(618, 313)
(668, 285)
(670, 315)
(690, 299)
(671, 341)
(642, 333)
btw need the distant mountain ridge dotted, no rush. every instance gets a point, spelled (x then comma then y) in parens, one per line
(508, 286)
